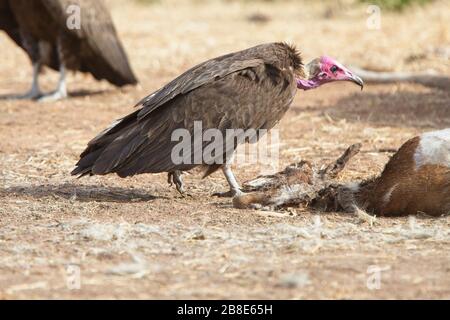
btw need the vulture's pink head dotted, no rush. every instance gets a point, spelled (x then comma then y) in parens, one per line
(325, 69)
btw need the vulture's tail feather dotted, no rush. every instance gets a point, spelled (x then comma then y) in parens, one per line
(84, 166)
(129, 147)
(90, 156)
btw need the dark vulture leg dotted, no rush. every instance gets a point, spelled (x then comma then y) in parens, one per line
(174, 177)
(32, 47)
(235, 190)
(61, 91)
(35, 91)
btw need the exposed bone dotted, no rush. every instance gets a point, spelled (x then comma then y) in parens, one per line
(333, 169)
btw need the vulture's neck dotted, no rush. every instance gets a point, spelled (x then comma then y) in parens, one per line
(306, 84)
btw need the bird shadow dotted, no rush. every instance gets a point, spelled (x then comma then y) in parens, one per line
(72, 94)
(82, 193)
(88, 93)
(398, 109)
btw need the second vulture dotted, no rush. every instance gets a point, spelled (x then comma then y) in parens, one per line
(66, 35)
(246, 90)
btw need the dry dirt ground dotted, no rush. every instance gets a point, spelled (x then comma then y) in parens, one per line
(137, 238)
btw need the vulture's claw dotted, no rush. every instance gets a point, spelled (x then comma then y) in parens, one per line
(229, 194)
(52, 97)
(174, 177)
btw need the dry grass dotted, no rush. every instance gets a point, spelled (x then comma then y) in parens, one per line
(136, 238)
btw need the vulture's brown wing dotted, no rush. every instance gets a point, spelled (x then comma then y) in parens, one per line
(196, 77)
(254, 95)
(217, 68)
(100, 49)
(9, 24)
(210, 71)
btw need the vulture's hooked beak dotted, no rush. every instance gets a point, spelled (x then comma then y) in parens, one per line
(357, 80)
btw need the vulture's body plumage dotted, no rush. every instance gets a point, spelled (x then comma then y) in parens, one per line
(249, 89)
(47, 30)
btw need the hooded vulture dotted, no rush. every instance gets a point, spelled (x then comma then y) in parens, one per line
(249, 89)
(65, 35)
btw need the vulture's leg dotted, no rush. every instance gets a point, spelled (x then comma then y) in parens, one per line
(35, 91)
(235, 189)
(61, 91)
(174, 177)
(31, 45)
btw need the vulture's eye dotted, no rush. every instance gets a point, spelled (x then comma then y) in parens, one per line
(334, 69)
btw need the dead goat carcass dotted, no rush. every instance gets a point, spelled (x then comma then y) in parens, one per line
(300, 183)
(416, 179)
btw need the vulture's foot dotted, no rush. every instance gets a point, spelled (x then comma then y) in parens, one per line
(30, 95)
(235, 190)
(229, 194)
(174, 177)
(52, 97)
